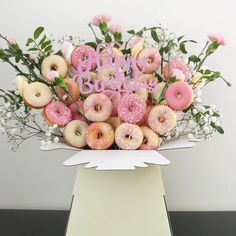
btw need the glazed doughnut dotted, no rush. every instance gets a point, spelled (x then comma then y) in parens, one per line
(131, 108)
(20, 83)
(66, 50)
(76, 115)
(109, 56)
(109, 76)
(85, 90)
(162, 119)
(57, 113)
(72, 88)
(136, 46)
(99, 135)
(143, 93)
(152, 60)
(150, 139)
(37, 95)
(97, 107)
(56, 63)
(177, 68)
(82, 56)
(115, 99)
(158, 91)
(179, 95)
(114, 121)
(149, 79)
(128, 136)
(74, 133)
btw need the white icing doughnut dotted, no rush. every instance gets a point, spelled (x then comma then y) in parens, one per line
(55, 63)
(37, 95)
(74, 133)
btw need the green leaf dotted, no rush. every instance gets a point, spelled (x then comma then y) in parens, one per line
(59, 81)
(181, 37)
(154, 36)
(117, 36)
(103, 27)
(108, 38)
(38, 31)
(91, 44)
(43, 39)
(182, 48)
(212, 48)
(29, 41)
(48, 48)
(33, 49)
(194, 58)
(131, 32)
(45, 44)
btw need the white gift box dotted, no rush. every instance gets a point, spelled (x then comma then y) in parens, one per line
(112, 197)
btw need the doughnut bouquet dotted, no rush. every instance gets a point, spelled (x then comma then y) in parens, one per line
(132, 91)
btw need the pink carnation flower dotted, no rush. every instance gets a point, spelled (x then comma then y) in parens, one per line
(217, 38)
(11, 40)
(177, 68)
(33, 56)
(115, 28)
(101, 18)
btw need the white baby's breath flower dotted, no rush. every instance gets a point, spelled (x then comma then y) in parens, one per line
(206, 119)
(48, 133)
(13, 131)
(56, 140)
(168, 138)
(213, 119)
(49, 142)
(195, 111)
(190, 136)
(55, 126)
(213, 107)
(198, 92)
(211, 112)
(198, 99)
(17, 92)
(217, 123)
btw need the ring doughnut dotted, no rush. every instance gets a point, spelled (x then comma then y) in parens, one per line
(152, 60)
(57, 113)
(66, 50)
(37, 95)
(109, 56)
(74, 133)
(150, 139)
(162, 119)
(179, 95)
(97, 107)
(128, 136)
(131, 108)
(55, 63)
(99, 135)
(114, 121)
(76, 115)
(84, 56)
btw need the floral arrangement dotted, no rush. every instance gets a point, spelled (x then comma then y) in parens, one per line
(109, 93)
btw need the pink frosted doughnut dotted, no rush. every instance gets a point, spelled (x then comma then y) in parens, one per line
(99, 135)
(128, 136)
(97, 107)
(177, 68)
(162, 119)
(150, 139)
(75, 111)
(179, 95)
(115, 98)
(152, 58)
(82, 56)
(57, 113)
(131, 108)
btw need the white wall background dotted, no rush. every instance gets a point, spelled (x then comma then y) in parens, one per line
(203, 178)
